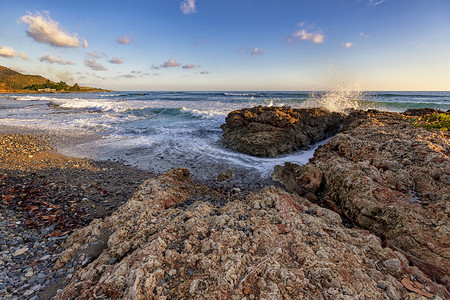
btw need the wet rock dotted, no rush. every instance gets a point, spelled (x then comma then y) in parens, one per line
(225, 175)
(202, 251)
(391, 178)
(269, 131)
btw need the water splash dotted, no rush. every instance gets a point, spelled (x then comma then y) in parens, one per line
(342, 98)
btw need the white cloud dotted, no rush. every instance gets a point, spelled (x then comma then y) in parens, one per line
(347, 44)
(47, 31)
(305, 34)
(257, 51)
(204, 72)
(188, 7)
(188, 66)
(170, 64)
(375, 2)
(9, 52)
(123, 40)
(115, 60)
(55, 60)
(362, 34)
(94, 65)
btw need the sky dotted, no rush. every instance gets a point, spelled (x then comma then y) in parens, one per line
(203, 45)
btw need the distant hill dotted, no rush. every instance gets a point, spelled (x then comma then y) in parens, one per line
(15, 82)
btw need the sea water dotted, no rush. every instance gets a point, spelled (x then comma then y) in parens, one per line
(157, 131)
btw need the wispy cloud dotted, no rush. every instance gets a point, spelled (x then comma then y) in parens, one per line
(256, 51)
(9, 52)
(347, 44)
(363, 35)
(306, 33)
(204, 72)
(188, 7)
(44, 30)
(94, 65)
(124, 39)
(188, 66)
(116, 60)
(95, 54)
(55, 60)
(127, 76)
(375, 2)
(170, 64)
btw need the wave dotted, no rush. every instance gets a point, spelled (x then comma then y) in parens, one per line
(206, 114)
(430, 95)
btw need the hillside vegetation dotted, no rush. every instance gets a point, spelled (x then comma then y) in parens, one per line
(15, 82)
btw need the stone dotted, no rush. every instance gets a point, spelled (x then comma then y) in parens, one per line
(20, 251)
(393, 265)
(168, 250)
(270, 131)
(29, 274)
(225, 175)
(389, 177)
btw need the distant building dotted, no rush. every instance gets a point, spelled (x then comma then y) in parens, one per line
(47, 90)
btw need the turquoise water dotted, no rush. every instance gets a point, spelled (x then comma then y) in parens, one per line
(157, 131)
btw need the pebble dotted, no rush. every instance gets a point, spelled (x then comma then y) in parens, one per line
(26, 260)
(20, 251)
(381, 286)
(29, 274)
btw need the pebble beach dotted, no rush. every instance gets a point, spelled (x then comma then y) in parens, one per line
(44, 197)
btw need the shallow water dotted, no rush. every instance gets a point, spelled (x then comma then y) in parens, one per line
(157, 131)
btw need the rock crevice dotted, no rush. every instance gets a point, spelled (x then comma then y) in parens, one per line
(388, 177)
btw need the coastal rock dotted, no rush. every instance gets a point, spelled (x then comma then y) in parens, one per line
(391, 178)
(269, 245)
(269, 131)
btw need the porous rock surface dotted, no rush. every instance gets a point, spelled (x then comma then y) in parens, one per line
(269, 131)
(389, 177)
(170, 241)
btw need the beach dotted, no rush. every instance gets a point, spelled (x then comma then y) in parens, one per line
(83, 177)
(45, 196)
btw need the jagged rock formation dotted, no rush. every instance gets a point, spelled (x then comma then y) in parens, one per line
(173, 240)
(269, 131)
(389, 177)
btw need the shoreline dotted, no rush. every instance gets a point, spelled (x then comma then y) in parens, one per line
(44, 197)
(68, 92)
(46, 194)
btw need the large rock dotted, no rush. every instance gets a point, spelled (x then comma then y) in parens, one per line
(269, 131)
(389, 177)
(171, 241)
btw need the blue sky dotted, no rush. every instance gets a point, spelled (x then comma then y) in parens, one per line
(231, 45)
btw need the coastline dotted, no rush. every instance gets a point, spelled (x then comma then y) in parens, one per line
(44, 197)
(93, 90)
(46, 194)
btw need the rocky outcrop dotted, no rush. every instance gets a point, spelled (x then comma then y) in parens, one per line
(269, 131)
(389, 177)
(172, 240)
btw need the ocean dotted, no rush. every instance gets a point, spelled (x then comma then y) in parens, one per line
(157, 131)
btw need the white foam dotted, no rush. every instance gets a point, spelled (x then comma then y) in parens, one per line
(207, 113)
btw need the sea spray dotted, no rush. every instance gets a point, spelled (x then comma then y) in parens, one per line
(341, 98)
